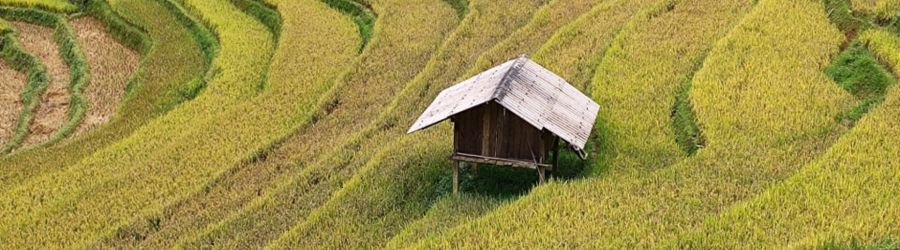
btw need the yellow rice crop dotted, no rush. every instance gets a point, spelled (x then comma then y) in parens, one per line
(444, 214)
(486, 24)
(885, 45)
(885, 9)
(763, 68)
(847, 193)
(242, 63)
(53, 5)
(111, 64)
(381, 70)
(570, 50)
(576, 49)
(525, 40)
(174, 60)
(636, 82)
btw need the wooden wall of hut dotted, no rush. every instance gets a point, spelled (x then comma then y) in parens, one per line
(493, 131)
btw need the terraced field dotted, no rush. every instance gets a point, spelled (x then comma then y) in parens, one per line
(54, 101)
(246, 124)
(111, 65)
(11, 83)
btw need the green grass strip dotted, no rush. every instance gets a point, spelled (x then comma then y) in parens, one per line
(5, 27)
(859, 72)
(461, 7)
(264, 13)
(360, 14)
(687, 133)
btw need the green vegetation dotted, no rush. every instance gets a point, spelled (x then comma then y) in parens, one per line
(859, 72)
(5, 27)
(461, 7)
(687, 133)
(360, 14)
(263, 13)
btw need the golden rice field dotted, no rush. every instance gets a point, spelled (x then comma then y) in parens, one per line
(281, 124)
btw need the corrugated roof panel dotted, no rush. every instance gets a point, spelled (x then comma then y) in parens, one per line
(463, 96)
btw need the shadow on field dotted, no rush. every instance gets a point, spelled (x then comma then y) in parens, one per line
(508, 182)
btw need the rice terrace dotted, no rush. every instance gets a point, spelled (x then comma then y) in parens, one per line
(450, 124)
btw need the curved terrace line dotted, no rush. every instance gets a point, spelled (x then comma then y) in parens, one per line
(13, 81)
(147, 93)
(78, 77)
(361, 14)
(282, 154)
(111, 63)
(74, 80)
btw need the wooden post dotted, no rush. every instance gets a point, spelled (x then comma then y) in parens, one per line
(456, 177)
(486, 131)
(541, 176)
(475, 169)
(555, 149)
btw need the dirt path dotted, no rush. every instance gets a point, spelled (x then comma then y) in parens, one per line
(52, 113)
(11, 84)
(111, 65)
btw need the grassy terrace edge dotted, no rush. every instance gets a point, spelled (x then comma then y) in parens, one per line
(362, 15)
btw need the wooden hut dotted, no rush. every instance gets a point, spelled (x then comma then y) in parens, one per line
(515, 114)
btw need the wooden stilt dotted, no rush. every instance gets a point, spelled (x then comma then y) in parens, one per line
(555, 156)
(456, 177)
(541, 176)
(475, 169)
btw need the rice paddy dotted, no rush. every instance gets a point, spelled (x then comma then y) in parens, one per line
(280, 124)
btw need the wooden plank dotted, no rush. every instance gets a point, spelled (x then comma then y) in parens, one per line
(498, 161)
(486, 145)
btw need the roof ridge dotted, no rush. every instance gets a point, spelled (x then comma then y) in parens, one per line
(514, 69)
